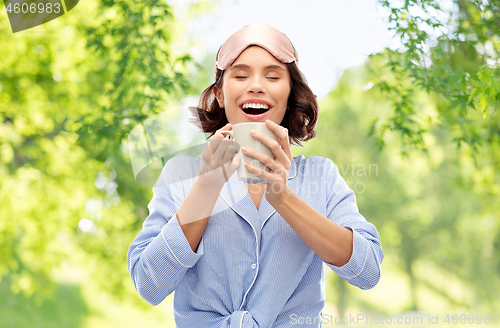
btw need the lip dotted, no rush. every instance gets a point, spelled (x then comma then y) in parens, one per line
(255, 117)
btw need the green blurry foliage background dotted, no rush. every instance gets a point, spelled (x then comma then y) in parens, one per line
(414, 132)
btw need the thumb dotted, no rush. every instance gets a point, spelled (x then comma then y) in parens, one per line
(228, 126)
(236, 161)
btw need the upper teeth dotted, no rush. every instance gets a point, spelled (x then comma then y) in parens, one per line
(259, 106)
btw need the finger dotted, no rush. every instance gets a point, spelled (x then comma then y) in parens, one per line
(208, 163)
(263, 158)
(229, 166)
(213, 146)
(212, 152)
(228, 153)
(220, 154)
(235, 162)
(206, 154)
(282, 134)
(285, 144)
(259, 172)
(205, 162)
(220, 136)
(274, 145)
(211, 155)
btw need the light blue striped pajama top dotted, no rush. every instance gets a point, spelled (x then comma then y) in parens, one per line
(251, 269)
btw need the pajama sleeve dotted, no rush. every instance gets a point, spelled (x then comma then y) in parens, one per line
(363, 268)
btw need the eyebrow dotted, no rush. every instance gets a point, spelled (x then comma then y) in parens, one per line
(244, 66)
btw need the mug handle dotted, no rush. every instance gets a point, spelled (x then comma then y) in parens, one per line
(225, 133)
(228, 133)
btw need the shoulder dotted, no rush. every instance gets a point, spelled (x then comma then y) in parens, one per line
(180, 168)
(181, 161)
(315, 165)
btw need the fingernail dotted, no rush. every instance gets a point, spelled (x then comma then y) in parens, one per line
(253, 132)
(244, 149)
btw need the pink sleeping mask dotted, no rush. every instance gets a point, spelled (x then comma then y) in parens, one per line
(261, 35)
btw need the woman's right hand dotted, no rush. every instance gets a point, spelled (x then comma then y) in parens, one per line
(219, 160)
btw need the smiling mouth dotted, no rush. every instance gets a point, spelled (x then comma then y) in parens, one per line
(255, 109)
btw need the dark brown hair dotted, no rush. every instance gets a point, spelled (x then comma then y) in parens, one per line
(300, 119)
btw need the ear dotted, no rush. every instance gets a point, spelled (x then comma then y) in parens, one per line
(219, 96)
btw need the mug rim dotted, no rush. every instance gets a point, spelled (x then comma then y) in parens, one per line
(243, 123)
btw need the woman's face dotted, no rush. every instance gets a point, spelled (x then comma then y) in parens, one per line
(255, 88)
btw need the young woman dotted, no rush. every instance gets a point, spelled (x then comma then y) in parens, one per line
(251, 255)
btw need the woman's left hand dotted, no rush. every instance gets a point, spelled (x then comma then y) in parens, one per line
(277, 189)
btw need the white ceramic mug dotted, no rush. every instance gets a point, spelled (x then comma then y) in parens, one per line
(241, 134)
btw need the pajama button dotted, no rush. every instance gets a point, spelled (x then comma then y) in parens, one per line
(254, 266)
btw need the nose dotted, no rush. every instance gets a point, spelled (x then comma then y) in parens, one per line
(256, 85)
